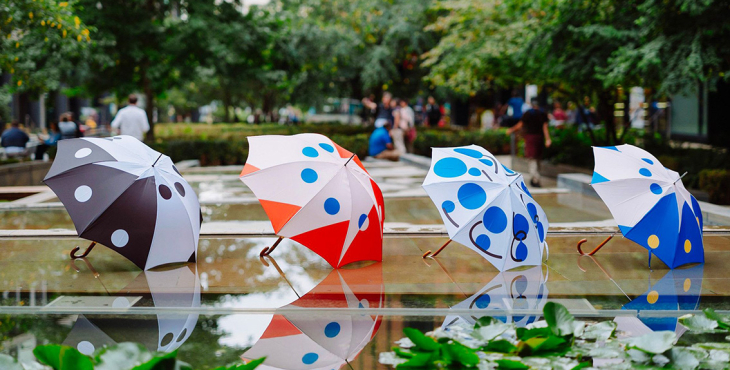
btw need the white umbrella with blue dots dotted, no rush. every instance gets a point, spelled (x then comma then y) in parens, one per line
(486, 206)
(649, 203)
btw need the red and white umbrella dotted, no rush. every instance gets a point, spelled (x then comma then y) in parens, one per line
(324, 341)
(318, 194)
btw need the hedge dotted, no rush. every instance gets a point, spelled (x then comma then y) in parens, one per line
(717, 185)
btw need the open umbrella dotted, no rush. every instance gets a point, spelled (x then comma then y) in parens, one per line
(308, 340)
(121, 193)
(175, 288)
(509, 290)
(318, 194)
(649, 203)
(486, 206)
(678, 290)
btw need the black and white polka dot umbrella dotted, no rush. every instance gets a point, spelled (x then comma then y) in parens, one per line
(121, 193)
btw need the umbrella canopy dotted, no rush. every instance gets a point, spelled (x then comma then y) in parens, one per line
(121, 193)
(324, 341)
(509, 290)
(678, 290)
(318, 194)
(649, 203)
(176, 288)
(486, 206)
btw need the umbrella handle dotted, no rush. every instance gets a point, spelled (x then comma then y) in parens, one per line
(86, 252)
(267, 250)
(580, 251)
(428, 252)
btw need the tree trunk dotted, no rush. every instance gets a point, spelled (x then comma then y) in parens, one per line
(605, 113)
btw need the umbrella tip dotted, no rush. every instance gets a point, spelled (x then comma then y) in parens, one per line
(425, 255)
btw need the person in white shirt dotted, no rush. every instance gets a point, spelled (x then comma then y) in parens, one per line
(131, 120)
(407, 124)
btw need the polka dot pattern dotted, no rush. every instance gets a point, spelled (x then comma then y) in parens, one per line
(471, 196)
(165, 191)
(86, 347)
(309, 175)
(687, 246)
(647, 160)
(474, 171)
(327, 147)
(449, 167)
(83, 193)
(310, 358)
(448, 206)
(82, 153)
(495, 220)
(483, 242)
(655, 188)
(310, 152)
(332, 330)
(331, 206)
(483, 301)
(120, 238)
(653, 241)
(361, 220)
(180, 189)
(652, 297)
(487, 162)
(645, 172)
(469, 152)
(687, 285)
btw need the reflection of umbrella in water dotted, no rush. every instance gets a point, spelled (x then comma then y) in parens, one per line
(309, 340)
(175, 288)
(678, 290)
(509, 290)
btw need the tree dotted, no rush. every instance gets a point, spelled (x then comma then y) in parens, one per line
(139, 39)
(41, 42)
(673, 45)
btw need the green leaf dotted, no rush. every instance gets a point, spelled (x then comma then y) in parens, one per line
(490, 332)
(403, 353)
(421, 341)
(419, 360)
(500, 346)
(510, 364)
(525, 334)
(686, 358)
(655, 342)
(252, 364)
(600, 331)
(162, 361)
(485, 321)
(463, 354)
(62, 358)
(698, 323)
(546, 345)
(723, 321)
(559, 320)
(582, 365)
(9, 363)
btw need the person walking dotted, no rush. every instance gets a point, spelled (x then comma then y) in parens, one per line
(383, 110)
(408, 124)
(397, 132)
(433, 112)
(516, 103)
(131, 120)
(534, 126)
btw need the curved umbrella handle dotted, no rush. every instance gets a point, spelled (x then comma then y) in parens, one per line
(86, 252)
(580, 251)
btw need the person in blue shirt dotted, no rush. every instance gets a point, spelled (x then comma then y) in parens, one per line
(53, 137)
(516, 103)
(381, 145)
(14, 140)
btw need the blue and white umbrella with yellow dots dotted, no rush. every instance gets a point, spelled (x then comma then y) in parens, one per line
(487, 207)
(649, 203)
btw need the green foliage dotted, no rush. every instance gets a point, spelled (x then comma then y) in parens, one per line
(561, 342)
(40, 43)
(123, 356)
(497, 142)
(716, 183)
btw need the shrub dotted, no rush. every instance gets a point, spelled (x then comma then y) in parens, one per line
(717, 184)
